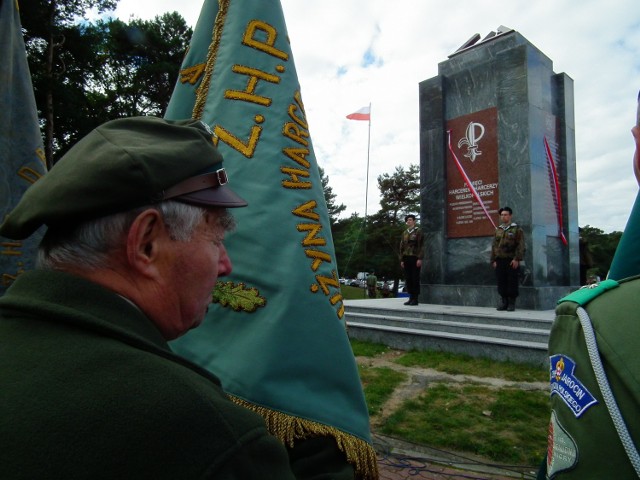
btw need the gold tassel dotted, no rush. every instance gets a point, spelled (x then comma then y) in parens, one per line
(289, 429)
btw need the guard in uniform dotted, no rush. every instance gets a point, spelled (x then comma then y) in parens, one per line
(411, 254)
(507, 251)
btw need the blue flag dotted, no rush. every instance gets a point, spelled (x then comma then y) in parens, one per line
(275, 335)
(21, 150)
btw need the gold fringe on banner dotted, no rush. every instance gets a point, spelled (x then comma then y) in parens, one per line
(203, 90)
(289, 429)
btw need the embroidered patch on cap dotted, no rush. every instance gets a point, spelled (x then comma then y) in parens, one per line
(562, 451)
(565, 384)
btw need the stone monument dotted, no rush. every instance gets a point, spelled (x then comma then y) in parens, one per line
(497, 129)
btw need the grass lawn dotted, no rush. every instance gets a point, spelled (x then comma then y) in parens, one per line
(506, 425)
(353, 293)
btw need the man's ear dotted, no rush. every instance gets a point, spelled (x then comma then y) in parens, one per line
(144, 240)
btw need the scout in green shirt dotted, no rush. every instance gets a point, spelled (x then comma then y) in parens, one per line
(595, 383)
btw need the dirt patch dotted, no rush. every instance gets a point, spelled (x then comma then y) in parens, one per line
(420, 378)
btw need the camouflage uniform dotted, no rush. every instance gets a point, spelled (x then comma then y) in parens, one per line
(508, 244)
(412, 250)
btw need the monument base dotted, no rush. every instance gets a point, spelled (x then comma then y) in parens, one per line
(530, 298)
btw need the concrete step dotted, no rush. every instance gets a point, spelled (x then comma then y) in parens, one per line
(467, 315)
(512, 330)
(519, 336)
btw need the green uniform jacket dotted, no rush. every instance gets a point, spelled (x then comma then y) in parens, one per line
(583, 442)
(90, 390)
(508, 242)
(412, 243)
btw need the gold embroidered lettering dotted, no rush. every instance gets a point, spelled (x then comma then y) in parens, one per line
(41, 156)
(8, 279)
(11, 248)
(249, 95)
(318, 257)
(293, 131)
(247, 148)
(295, 181)
(326, 282)
(295, 118)
(192, 74)
(29, 174)
(298, 155)
(296, 130)
(266, 46)
(311, 239)
(306, 210)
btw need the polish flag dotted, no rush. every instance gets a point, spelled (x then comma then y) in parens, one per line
(363, 114)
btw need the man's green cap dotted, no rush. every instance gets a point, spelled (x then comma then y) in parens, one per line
(121, 165)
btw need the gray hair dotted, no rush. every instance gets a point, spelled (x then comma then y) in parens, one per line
(90, 244)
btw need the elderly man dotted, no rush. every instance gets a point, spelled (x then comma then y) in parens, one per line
(136, 218)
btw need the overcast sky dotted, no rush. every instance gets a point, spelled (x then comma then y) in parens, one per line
(352, 53)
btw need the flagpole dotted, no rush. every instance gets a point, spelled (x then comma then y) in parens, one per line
(366, 201)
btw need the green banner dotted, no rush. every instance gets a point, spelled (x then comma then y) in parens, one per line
(275, 335)
(21, 150)
(626, 261)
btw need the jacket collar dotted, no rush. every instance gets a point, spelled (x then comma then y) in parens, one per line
(66, 298)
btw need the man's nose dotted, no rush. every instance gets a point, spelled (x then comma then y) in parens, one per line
(224, 262)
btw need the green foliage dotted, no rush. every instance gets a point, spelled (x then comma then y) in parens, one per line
(86, 73)
(348, 240)
(506, 425)
(400, 192)
(334, 209)
(602, 247)
(379, 384)
(383, 240)
(480, 367)
(373, 245)
(399, 196)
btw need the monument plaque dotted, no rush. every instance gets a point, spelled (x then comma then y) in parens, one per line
(472, 174)
(497, 129)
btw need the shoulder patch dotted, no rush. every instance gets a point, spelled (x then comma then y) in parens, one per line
(562, 450)
(587, 293)
(567, 386)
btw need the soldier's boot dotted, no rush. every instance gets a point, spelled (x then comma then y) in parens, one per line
(502, 304)
(511, 304)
